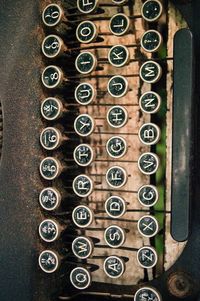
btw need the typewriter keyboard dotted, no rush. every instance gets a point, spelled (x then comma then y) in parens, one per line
(107, 79)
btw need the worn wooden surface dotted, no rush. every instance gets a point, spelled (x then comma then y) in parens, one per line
(136, 118)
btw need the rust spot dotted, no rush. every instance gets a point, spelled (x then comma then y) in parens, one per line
(180, 284)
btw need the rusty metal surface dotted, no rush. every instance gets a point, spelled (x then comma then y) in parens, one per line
(19, 177)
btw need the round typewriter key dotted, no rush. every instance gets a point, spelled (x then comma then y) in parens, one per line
(149, 133)
(82, 247)
(151, 40)
(117, 116)
(80, 278)
(147, 257)
(84, 125)
(48, 230)
(147, 294)
(86, 32)
(52, 77)
(114, 267)
(119, 1)
(50, 168)
(150, 72)
(82, 186)
(84, 93)
(87, 6)
(150, 102)
(50, 198)
(52, 46)
(148, 195)
(119, 24)
(83, 155)
(118, 56)
(86, 62)
(82, 216)
(116, 176)
(114, 236)
(116, 147)
(48, 261)
(50, 138)
(148, 226)
(148, 163)
(151, 10)
(117, 86)
(52, 15)
(115, 206)
(51, 108)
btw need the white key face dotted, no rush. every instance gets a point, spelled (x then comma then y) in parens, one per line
(117, 116)
(87, 6)
(148, 163)
(84, 93)
(148, 226)
(82, 216)
(147, 257)
(149, 134)
(52, 77)
(50, 198)
(114, 267)
(119, 24)
(84, 125)
(49, 230)
(115, 206)
(152, 10)
(50, 168)
(80, 278)
(151, 41)
(116, 177)
(147, 294)
(52, 15)
(52, 46)
(150, 72)
(114, 236)
(118, 56)
(83, 155)
(116, 147)
(48, 261)
(117, 86)
(82, 247)
(83, 186)
(86, 62)
(51, 108)
(86, 32)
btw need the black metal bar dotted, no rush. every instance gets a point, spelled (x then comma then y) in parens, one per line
(181, 150)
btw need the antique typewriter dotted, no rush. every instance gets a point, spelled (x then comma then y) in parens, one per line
(99, 142)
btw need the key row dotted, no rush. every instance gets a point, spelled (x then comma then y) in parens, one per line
(87, 32)
(114, 266)
(54, 14)
(117, 116)
(53, 77)
(115, 206)
(83, 217)
(118, 56)
(116, 147)
(80, 277)
(116, 176)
